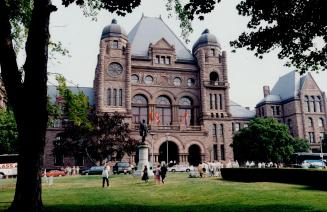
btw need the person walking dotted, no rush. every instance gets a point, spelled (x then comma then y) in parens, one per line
(157, 174)
(105, 176)
(145, 175)
(163, 172)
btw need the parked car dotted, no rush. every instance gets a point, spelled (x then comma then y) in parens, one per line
(55, 173)
(122, 167)
(313, 164)
(94, 170)
(179, 168)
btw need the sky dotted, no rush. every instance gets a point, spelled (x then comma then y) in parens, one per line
(247, 73)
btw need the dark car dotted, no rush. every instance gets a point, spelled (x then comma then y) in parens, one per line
(94, 170)
(122, 167)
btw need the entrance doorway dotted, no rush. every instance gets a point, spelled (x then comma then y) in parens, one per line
(172, 152)
(194, 155)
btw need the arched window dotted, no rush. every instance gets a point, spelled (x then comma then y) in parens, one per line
(310, 122)
(211, 103)
(312, 104)
(185, 111)
(109, 96)
(214, 78)
(120, 97)
(115, 97)
(221, 129)
(216, 101)
(139, 108)
(321, 122)
(214, 129)
(319, 109)
(220, 102)
(307, 104)
(163, 111)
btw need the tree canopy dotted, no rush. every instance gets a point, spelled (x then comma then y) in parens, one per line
(296, 28)
(107, 139)
(266, 140)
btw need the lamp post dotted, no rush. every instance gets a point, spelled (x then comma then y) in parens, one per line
(321, 153)
(167, 134)
(152, 159)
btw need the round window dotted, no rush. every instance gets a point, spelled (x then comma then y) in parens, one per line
(190, 82)
(115, 69)
(134, 79)
(148, 80)
(177, 81)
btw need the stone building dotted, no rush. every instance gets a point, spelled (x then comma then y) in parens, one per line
(299, 103)
(149, 74)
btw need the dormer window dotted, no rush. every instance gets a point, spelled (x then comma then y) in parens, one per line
(162, 60)
(159, 59)
(114, 44)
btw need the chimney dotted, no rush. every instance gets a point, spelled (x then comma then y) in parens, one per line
(266, 90)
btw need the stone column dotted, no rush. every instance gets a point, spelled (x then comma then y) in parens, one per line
(201, 63)
(100, 77)
(128, 85)
(226, 99)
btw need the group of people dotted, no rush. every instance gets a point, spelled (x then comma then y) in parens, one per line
(159, 174)
(71, 171)
(208, 169)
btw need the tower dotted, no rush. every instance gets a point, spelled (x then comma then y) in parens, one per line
(213, 76)
(112, 76)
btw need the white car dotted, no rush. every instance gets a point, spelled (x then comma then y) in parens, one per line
(180, 168)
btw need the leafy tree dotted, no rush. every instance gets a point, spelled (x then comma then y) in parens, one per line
(265, 140)
(324, 143)
(292, 25)
(8, 132)
(107, 138)
(300, 145)
(297, 28)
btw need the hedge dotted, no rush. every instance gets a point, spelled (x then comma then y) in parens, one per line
(311, 177)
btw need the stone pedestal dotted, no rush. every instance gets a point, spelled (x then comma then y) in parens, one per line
(143, 160)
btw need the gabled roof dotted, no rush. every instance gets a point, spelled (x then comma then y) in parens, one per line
(287, 87)
(238, 111)
(88, 91)
(150, 30)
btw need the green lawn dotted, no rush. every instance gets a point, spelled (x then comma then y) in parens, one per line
(179, 193)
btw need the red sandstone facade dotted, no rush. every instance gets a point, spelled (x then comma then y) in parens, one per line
(184, 96)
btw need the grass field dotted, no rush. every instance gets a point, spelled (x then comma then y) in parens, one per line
(179, 193)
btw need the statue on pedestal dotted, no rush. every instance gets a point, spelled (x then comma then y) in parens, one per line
(143, 130)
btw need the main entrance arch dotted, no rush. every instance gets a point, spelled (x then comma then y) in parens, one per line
(194, 155)
(172, 152)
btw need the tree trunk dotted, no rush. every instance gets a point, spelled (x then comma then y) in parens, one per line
(28, 100)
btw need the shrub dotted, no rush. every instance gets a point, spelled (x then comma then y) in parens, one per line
(311, 177)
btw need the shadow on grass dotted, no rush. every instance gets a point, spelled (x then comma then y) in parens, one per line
(211, 207)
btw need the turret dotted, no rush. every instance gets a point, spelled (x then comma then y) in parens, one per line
(113, 71)
(213, 76)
